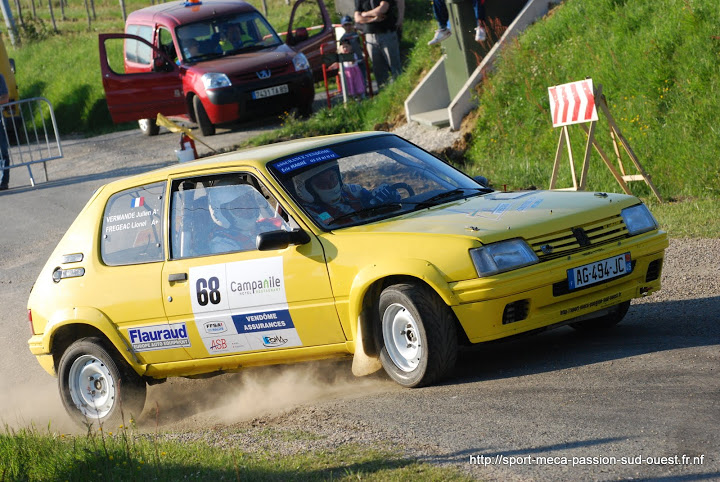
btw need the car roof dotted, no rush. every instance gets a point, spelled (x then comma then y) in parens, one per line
(181, 13)
(255, 157)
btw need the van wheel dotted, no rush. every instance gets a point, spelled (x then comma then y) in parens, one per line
(97, 388)
(605, 322)
(418, 337)
(202, 119)
(149, 127)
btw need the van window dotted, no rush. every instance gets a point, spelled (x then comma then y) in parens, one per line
(132, 226)
(137, 51)
(165, 43)
(228, 35)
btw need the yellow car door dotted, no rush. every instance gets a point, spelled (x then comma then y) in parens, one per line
(234, 298)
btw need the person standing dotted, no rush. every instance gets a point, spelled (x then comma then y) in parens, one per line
(379, 20)
(442, 16)
(4, 156)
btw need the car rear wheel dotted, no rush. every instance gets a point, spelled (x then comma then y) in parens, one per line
(417, 335)
(149, 127)
(97, 388)
(615, 316)
(202, 119)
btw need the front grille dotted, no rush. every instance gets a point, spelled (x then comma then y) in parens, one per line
(578, 238)
(252, 75)
(653, 271)
(515, 311)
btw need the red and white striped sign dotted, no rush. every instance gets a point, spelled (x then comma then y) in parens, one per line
(572, 103)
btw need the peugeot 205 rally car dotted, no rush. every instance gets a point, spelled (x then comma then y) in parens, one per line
(358, 245)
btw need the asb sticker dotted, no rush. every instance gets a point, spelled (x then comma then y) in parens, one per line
(242, 306)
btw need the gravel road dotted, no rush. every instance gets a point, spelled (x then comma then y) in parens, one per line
(649, 388)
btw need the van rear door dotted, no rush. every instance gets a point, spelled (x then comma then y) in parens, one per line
(310, 27)
(134, 96)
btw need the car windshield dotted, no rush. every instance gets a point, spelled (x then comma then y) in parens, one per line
(367, 180)
(218, 37)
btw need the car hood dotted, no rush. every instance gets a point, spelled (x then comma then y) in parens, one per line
(503, 215)
(233, 65)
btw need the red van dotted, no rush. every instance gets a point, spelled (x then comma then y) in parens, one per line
(213, 62)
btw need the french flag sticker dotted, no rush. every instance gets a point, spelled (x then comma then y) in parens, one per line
(137, 202)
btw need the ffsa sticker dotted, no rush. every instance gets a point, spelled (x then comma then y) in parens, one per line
(242, 306)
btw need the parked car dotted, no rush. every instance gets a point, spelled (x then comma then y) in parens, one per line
(212, 62)
(359, 245)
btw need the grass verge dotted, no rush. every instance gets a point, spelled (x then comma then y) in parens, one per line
(30, 455)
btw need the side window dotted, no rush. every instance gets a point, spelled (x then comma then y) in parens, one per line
(165, 43)
(222, 214)
(308, 15)
(132, 226)
(137, 51)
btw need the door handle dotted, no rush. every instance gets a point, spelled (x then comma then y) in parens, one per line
(177, 277)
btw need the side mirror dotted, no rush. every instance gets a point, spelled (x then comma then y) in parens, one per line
(161, 65)
(12, 65)
(297, 36)
(272, 240)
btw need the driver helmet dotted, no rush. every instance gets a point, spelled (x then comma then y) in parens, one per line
(320, 184)
(234, 205)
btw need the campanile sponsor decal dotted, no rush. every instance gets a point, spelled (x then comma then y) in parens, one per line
(242, 306)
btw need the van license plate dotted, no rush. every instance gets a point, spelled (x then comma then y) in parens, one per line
(270, 91)
(598, 271)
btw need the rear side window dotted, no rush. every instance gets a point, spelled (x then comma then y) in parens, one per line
(133, 225)
(137, 51)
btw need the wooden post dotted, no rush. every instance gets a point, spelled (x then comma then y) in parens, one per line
(52, 16)
(626, 145)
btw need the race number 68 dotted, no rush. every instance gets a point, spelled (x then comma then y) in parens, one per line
(208, 291)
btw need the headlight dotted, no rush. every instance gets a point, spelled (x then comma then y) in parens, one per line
(638, 219)
(215, 80)
(504, 256)
(301, 62)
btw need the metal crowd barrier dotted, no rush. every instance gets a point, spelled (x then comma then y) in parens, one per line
(30, 138)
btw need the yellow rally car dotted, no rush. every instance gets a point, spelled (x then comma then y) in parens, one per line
(361, 244)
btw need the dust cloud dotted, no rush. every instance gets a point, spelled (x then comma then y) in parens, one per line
(33, 404)
(256, 392)
(183, 404)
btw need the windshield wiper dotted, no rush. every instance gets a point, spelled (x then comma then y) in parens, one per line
(372, 209)
(434, 200)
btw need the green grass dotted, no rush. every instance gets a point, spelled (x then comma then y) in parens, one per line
(126, 455)
(658, 64)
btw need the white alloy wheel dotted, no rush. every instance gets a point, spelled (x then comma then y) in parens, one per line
(92, 387)
(402, 337)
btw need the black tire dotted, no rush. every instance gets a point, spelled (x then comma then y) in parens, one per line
(604, 322)
(416, 334)
(117, 393)
(149, 127)
(202, 119)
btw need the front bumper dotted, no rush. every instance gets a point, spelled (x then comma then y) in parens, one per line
(235, 103)
(524, 299)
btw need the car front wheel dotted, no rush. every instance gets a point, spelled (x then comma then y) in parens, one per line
(417, 335)
(203, 121)
(98, 388)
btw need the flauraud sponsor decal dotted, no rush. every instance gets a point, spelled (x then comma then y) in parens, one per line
(159, 337)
